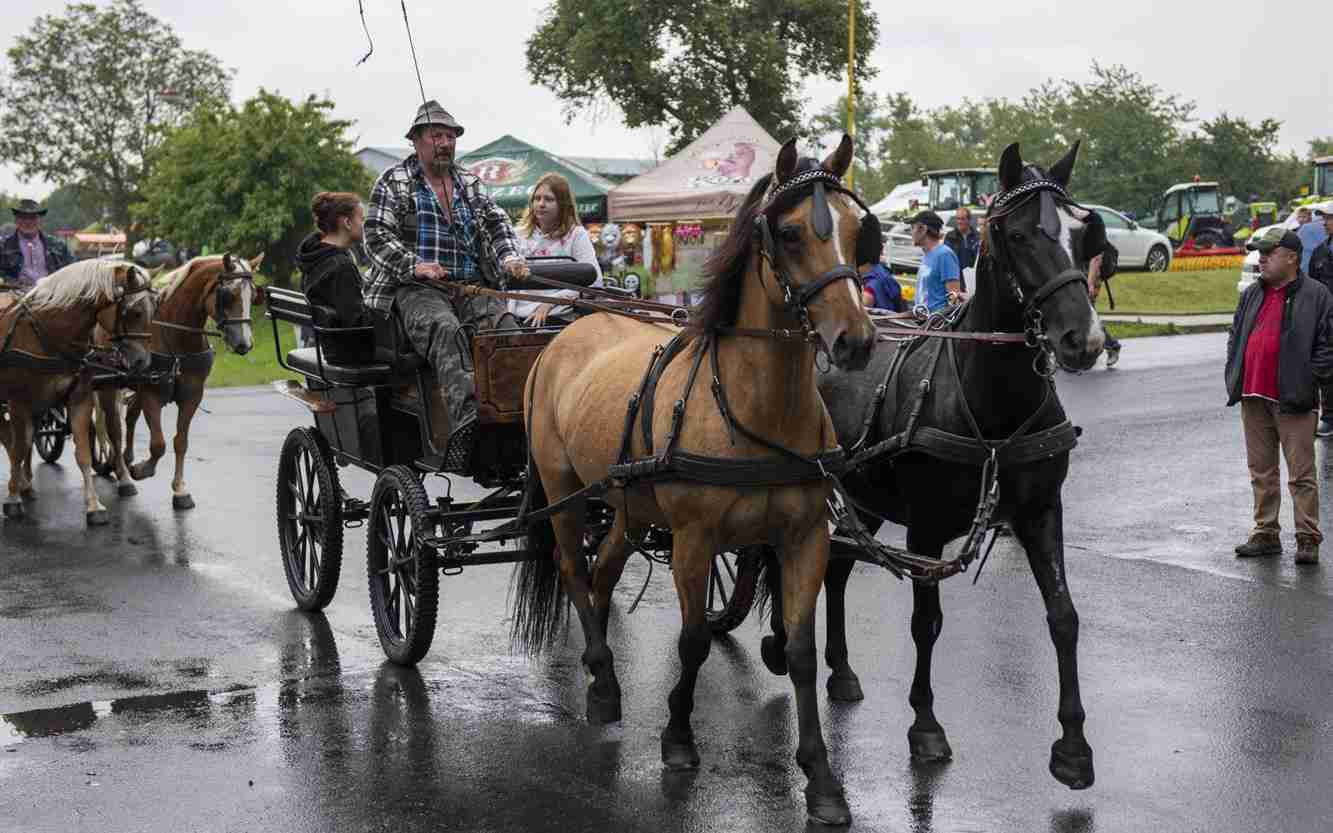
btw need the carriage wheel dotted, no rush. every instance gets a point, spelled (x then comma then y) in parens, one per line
(731, 588)
(404, 582)
(310, 522)
(49, 438)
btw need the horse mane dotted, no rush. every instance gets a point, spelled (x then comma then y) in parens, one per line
(82, 282)
(720, 295)
(177, 277)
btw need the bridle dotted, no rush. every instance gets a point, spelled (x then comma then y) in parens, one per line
(119, 332)
(222, 298)
(1004, 204)
(797, 297)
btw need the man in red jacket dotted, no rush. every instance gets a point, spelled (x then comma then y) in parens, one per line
(1281, 343)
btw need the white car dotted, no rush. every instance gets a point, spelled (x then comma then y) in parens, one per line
(1139, 247)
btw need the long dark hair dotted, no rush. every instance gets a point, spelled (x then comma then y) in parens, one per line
(720, 295)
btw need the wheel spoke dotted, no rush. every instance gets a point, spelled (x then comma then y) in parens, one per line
(717, 579)
(726, 562)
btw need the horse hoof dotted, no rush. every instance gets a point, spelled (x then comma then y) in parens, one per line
(28, 494)
(679, 755)
(182, 502)
(14, 510)
(845, 687)
(126, 489)
(929, 746)
(98, 517)
(827, 808)
(775, 658)
(1071, 764)
(603, 710)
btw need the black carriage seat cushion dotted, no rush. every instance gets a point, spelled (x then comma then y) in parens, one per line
(307, 362)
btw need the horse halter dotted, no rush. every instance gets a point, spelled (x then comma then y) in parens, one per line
(797, 298)
(127, 300)
(224, 295)
(1006, 203)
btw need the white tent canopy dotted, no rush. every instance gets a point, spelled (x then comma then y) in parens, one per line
(900, 199)
(705, 181)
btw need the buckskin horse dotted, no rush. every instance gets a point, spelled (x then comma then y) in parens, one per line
(736, 464)
(45, 359)
(935, 418)
(216, 287)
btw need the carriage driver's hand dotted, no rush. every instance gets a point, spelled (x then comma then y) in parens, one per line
(517, 267)
(431, 272)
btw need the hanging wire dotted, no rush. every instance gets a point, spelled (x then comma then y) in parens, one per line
(361, 4)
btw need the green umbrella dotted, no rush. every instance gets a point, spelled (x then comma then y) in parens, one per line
(509, 169)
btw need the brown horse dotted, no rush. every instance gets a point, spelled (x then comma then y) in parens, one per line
(216, 287)
(43, 342)
(796, 279)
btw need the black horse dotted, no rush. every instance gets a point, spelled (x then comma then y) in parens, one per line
(981, 398)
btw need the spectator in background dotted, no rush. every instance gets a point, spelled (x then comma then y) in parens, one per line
(1321, 270)
(1280, 346)
(939, 279)
(30, 254)
(964, 240)
(1312, 234)
(881, 289)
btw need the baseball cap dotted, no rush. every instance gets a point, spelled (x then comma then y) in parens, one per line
(1275, 237)
(1324, 210)
(929, 219)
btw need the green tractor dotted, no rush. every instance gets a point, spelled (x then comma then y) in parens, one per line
(960, 188)
(1253, 217)
(1190, 215)
(1321, 188)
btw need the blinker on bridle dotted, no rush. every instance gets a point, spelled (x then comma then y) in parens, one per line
(797, 298)
(1006, 203)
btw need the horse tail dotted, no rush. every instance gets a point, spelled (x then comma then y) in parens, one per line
(536, 593)
(768, 580)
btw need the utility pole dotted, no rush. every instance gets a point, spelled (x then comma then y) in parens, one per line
(851, 81)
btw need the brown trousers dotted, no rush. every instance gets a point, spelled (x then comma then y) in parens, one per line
(1267, 430)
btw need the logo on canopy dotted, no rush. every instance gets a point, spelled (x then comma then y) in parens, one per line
(733, 168)
(499, 170)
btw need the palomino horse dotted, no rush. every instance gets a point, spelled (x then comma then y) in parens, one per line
(783, 271)
(44, 343)
(997, 397)
(216, 287)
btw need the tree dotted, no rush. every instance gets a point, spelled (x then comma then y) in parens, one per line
(242, 179)
(685, 64)
(1239, 155)
(88, 94)
(71, 206)
(873, 129)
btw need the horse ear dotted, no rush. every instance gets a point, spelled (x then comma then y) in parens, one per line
(840, 159)
(1061, 170)
(786, 164)
(226, 261)
(255, 261)
(1011, 167)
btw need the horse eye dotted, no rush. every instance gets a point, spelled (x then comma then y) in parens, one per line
(1016, 236)
(790, 234)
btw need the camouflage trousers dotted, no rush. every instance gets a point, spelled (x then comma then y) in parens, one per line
(433, 321)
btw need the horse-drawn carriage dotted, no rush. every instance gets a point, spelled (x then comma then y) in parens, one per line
(376, 416)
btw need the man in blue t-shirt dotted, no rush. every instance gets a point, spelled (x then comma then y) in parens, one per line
(939, 273)
(880, 288)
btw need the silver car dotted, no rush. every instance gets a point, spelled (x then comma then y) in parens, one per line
(1139, 248)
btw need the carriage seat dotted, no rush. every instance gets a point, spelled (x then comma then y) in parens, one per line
(383, 365)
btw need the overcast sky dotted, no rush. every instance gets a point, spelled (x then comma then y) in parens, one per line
(1249, 59)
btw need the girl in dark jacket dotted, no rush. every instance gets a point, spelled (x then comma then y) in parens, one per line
(330, 278)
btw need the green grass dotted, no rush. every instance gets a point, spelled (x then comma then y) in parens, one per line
(260, 365)
(1137, 329)
(1180, 293)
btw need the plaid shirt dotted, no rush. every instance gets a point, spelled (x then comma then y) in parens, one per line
(471, 248)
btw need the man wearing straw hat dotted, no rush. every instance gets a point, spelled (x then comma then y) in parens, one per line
(431, 223)
(29, 254)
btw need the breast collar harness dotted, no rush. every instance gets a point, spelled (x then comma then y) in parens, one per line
(797, 298)
(1006, 203)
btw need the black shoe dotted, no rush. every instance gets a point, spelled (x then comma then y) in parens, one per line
(462, 443)
(1324, 428)
(1260, 544)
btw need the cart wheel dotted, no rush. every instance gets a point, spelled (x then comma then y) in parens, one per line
(49, 438)
(404, 582)
(310, 519)
(731, 588)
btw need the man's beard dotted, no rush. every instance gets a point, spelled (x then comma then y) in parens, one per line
(440, 165)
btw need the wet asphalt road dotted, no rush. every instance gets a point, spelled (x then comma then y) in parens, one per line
(156, 678)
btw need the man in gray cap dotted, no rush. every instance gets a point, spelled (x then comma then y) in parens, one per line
(29, 254)
(1280, 345)
(431, 223)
